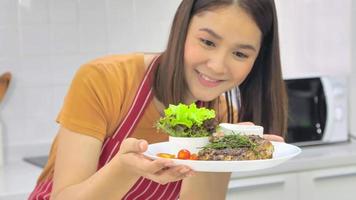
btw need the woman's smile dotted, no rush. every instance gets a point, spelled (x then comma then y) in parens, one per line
(207, 81)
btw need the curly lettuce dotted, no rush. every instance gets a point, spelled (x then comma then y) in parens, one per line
(187, 121)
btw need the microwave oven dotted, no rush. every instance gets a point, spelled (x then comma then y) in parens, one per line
(317, 112)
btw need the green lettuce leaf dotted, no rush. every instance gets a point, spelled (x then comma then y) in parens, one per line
(186, 121)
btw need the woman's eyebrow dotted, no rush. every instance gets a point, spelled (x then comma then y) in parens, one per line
(246, 46)
(211, 32)
(217, 36)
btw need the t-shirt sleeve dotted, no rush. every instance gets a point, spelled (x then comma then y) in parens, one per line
(83, 110)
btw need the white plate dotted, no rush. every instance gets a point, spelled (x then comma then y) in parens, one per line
(282, 153)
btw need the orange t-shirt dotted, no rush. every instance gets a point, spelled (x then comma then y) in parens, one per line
(99, 97)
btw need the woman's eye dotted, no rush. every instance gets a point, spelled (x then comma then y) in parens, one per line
(240, 55)
(207, 43)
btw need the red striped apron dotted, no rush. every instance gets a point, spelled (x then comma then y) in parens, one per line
(143, 189)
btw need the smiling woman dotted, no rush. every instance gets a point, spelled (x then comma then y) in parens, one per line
(214, 46)
(214, 58)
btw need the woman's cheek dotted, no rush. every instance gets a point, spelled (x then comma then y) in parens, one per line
(192, 52)
(240, 73)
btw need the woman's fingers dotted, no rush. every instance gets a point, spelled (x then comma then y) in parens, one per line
(171, 174)
(155, 166)
(164, 171)
(272, 137)
(133, 145)
(179, 171)
(246, 123)
(160, 170)
(146, 165)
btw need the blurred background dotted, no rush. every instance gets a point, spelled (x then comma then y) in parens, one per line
(43, 43)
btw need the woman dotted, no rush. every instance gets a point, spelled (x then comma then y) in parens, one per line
(108, 115)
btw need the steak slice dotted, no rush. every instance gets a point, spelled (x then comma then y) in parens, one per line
(262, 149)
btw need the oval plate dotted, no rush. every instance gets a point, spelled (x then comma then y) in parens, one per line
(282, 153)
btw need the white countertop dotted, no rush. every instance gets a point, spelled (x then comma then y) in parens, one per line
(313, 157)
(19, 178)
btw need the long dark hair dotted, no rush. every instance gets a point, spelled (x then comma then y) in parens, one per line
(263, 95)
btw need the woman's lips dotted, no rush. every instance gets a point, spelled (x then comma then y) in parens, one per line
(207, 81)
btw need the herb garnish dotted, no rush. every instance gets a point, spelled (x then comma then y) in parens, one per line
(231, 142)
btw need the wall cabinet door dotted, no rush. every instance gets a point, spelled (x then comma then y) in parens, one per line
(315, 37)
(329, 184)
(277, 187)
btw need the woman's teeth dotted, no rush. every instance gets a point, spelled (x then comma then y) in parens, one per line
(208, 79)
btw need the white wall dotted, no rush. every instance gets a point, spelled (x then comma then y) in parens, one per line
(315, 37)
(43, 42)
(352, 80)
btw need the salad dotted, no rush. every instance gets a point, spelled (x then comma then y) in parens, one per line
(190, 121)
(187, 121)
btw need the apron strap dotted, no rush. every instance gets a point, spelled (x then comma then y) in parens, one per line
(143, 97)
(144, 189)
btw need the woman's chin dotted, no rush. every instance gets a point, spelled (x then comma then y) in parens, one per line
(202, 95)
(207, 98)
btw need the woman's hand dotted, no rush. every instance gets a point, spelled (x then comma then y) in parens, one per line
(272, 137)
(161, 170)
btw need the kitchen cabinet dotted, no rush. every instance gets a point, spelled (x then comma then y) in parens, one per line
(330, 184)
(327, 184)
(277, 187)
(315, 37)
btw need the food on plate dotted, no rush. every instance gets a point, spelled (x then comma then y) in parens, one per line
(228, 148)
(193, 156)
(187, 121)
(166, 155)
(236, 147)
(190, 122)
(183, 154)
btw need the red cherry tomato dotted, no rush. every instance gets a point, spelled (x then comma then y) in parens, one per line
(166, 155)
(193, 156)
(183, 154)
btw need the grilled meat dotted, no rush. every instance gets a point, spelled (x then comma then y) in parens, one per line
(237, 147)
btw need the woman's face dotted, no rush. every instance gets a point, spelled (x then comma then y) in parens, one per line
(220, 50)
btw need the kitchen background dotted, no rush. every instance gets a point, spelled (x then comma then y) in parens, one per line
(43, 43)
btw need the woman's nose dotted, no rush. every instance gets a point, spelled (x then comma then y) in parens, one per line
(217, 63)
